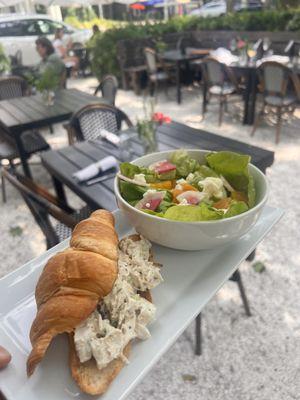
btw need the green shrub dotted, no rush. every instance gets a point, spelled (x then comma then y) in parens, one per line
(104, 53)
(103, 24)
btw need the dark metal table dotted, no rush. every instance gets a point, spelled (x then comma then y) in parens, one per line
(178, 58)
(24, 113)
(64, 162)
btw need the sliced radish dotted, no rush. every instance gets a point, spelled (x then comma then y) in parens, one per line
(150, 201)
(162, 167)
(191, 197)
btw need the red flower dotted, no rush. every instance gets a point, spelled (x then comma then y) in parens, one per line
(160, 118)
(241, 43)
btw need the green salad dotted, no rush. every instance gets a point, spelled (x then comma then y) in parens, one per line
(182, 189)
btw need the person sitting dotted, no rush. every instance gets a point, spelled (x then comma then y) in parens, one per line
(49, 59)
(62, 50)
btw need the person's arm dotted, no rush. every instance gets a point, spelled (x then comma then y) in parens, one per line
(62, 50)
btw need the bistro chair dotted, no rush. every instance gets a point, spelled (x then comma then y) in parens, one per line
(220, 82)
(33, 142)
(280, 91)
(87, 123)
(44, 205)
(108, 88)
(156, 75)
(12, 86)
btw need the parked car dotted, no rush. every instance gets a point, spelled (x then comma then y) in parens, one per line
(18, 33)
(250, 5)
(211, 9)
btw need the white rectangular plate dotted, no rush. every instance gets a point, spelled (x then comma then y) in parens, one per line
(192, 277)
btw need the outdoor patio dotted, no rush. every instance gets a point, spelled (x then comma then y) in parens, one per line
(243, 358)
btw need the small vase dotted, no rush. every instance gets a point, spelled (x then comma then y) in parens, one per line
(147, 135)
(48, 97)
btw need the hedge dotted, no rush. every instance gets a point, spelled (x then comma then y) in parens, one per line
(104, 51)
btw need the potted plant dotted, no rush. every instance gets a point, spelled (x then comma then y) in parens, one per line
(4, 61)
(47, 83)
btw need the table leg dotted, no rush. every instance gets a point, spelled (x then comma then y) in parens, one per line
(59, 190)
(23, 157)
(250, 98)
(178, 82)
(251, 114)
(198, 349)
(204, 99)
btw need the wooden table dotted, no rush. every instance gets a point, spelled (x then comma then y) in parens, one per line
(64, 162)
(178, 58)
(24, 113)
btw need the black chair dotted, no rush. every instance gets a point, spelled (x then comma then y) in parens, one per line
(220, 82)
(280, 90)
(156, 74)
(33, 142)
(12, 86)
(43, 204)
(86, 123)
(108, 88)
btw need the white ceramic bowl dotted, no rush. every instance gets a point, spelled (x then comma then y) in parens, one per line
(193, 235)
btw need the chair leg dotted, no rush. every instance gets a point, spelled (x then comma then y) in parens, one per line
(221, 111)
(198, 348)
(237, 277)
(257, 120)
(278, 125)
(3, 189)
(51, 129)
(225, 104)
(151, 88)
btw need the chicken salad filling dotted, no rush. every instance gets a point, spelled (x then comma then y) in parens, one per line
(123, 314)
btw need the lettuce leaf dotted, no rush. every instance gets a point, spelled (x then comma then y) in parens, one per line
(202, 212)
(129, 170)
(233, 166)
(236, 208)
(251, 191)
(158, 214)
(205, 171)
(184, 163)
(132, 192)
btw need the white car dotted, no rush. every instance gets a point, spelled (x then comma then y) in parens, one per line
(211, 9)
(18, 32)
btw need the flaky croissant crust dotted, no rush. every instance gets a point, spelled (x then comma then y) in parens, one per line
(74, 281)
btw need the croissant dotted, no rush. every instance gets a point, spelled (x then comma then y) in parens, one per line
(73, 282)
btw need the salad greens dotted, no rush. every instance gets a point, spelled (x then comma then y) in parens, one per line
(182, 189)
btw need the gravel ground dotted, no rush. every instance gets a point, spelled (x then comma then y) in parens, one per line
(255, 358)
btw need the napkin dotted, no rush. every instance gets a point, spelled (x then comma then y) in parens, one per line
(223, 55)
(110, 137)
(94, 169)
(275, 57)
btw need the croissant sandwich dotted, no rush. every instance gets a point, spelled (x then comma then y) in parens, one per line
(98, 292)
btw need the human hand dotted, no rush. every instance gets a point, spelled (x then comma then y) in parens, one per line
(5, 357)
